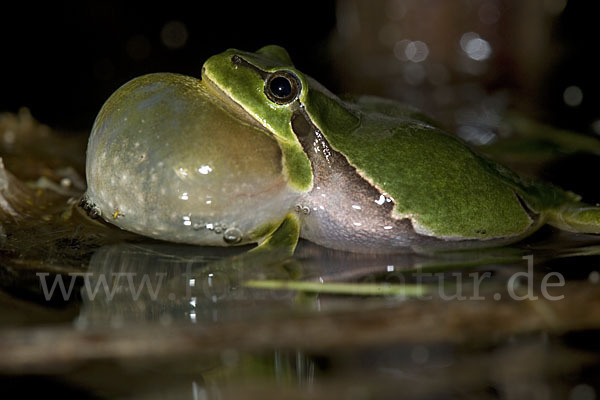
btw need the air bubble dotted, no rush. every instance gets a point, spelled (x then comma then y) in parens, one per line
(232, 236)
(302, 209)
(218, 228)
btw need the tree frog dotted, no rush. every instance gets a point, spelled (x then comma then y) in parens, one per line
(256, 151)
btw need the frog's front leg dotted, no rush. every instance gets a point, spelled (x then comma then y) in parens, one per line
(283, 240)
(271, 259)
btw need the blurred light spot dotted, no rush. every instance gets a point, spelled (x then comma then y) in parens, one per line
(416, 51)
(573, 96)
(138, 47)
(594, 277)
(554, 7)
(396, 9)
(174, 34)
(582, 392)
(596, 126)
(476, 48)
(489, 13)
(414, 74)
(419, 354)
(485, 115)
(476, 135)
(348, 22)
(400, 49)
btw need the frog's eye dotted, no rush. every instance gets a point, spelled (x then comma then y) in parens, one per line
(282, 87)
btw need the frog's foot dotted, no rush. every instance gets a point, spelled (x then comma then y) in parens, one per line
(576, 217)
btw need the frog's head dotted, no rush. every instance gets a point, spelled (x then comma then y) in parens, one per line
(270, 89)
(264, 83)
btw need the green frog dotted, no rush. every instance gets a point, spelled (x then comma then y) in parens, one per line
(256, 151)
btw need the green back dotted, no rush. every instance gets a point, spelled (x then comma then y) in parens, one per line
(436, 180)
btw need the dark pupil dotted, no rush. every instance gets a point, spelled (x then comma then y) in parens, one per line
(281, 87)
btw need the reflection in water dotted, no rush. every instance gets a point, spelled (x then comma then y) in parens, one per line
(513, 346)
(165, 283)
(169, 283)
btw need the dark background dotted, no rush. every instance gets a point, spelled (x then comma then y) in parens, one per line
(63, 59)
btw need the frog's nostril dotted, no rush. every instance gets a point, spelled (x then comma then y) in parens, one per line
(238, 60)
